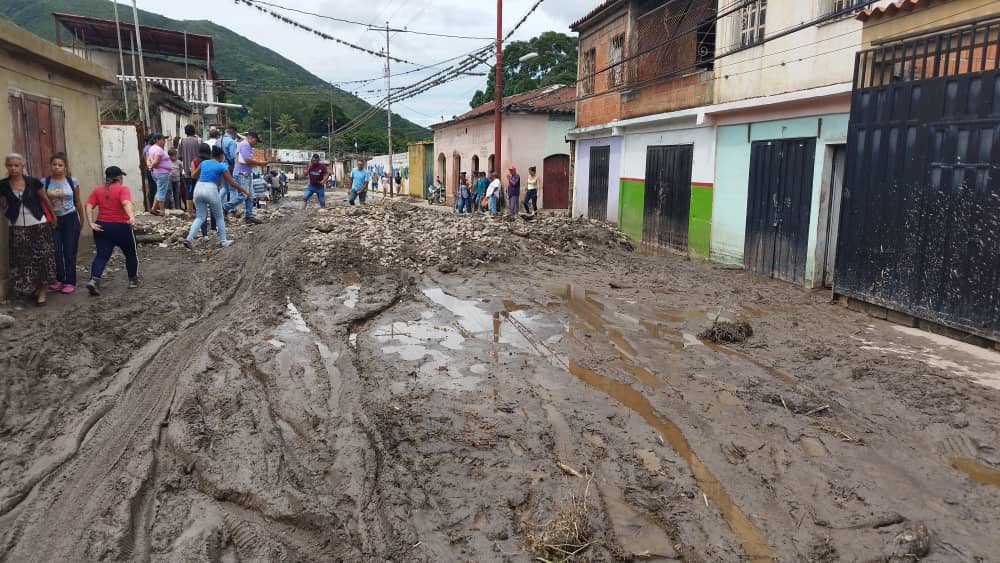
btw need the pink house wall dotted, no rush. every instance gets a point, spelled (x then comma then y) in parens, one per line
(527, 140)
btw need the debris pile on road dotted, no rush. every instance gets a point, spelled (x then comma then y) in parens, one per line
(174, 226)
(404, 235)
(725, 332)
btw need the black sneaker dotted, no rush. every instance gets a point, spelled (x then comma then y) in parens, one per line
(187, 244)
(134, 283)
(252, 221)
(94, 287)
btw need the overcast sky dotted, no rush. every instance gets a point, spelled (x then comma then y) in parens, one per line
(337, 63)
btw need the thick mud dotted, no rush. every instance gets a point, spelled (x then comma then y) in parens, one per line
(293, 398)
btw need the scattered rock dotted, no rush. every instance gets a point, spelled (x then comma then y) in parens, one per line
(725, 332)
(447, 268)
(6, 321)
(911, 544)
(960, 420)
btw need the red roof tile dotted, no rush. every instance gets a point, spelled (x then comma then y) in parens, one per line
(887, 8)
(550, 99)
(593, 13)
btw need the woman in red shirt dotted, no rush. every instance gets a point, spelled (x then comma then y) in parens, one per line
(112, 225)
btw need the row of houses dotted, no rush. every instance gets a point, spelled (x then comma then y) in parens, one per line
(828, 143)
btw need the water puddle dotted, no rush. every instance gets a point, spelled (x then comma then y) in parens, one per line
(640, 536)
(977, 471)
(751, 539)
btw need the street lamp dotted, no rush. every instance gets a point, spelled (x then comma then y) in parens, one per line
(529, 57)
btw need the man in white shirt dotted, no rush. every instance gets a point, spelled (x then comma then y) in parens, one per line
(493, 194)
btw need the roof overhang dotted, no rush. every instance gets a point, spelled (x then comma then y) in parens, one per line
(97, 32)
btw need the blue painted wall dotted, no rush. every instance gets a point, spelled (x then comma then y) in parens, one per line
(732, 178)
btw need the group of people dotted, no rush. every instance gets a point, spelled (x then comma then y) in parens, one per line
(483, 194)
(172, 172)
(318, 173)
(46, 217)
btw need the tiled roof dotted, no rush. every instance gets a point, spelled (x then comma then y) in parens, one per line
(593, 13)
(550, 99)
(887, 8)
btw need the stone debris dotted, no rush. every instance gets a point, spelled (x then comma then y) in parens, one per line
(173, 227)
(6, 321)
(403, 235)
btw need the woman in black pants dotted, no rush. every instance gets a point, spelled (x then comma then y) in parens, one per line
(112, 224)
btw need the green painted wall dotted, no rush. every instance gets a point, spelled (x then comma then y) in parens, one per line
(631, 201)
(700, 221)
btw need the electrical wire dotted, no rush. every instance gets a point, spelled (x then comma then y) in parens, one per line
(318, 33)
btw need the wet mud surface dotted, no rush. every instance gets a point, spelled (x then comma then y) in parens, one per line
(260, 404)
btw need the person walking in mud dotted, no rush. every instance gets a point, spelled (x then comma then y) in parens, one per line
(211, 172)
(243, 172)
(318, 174)
(359, 184)
(158, 162)
(64, 193)
(29, 213)
(112, 216)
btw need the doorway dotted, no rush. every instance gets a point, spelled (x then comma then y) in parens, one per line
(475, 165)
(779, 201)
(442, 171)
(667, 203)
(597, 190)
(837, 157)
(555, 182)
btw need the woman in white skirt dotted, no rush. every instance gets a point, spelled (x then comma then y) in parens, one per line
(211, 171)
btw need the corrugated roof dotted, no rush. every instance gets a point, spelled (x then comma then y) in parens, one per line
(594, 13)
(888, 8)
(550, 99)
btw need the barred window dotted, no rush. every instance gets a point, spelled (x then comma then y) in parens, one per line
(752, 19)
(834, 6)
(616, 74)
(589, 68)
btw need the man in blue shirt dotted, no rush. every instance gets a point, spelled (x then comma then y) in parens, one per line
(229, 147)
(243, 172)
(359, 183)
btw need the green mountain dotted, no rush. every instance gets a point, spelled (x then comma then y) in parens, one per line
(256, 69)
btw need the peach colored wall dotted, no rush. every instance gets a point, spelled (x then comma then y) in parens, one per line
(527, 140)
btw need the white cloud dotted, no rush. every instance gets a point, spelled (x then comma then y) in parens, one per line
(338, 63)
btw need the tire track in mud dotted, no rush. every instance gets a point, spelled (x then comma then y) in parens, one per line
(109, 482)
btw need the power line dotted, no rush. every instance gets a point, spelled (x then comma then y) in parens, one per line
(318, 33)
(781, 33)
(352, 22)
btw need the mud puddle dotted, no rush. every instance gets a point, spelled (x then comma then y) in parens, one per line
(977, 471)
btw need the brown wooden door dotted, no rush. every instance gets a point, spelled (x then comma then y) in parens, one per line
(555, 182)
(39, 131)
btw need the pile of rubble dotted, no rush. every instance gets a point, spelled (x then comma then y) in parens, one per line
(174, 226)
(408, 236)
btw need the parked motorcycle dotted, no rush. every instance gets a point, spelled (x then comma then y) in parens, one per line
(436, 195)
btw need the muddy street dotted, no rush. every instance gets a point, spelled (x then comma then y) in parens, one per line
(398, 383)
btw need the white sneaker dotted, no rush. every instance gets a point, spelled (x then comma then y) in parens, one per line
(225, 243)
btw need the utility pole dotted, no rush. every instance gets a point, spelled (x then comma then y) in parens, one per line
(498, 94)
(121, 57)
(388, 111)
(142, 68)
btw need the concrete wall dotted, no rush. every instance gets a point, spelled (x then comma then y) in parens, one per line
(926, 16)
(732, 177)
(818, 55)
(119, 147)
(581, 183)
(632, 197)
(31, 65)
(527, 140)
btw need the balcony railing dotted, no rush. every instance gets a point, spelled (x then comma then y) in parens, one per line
(190, 89)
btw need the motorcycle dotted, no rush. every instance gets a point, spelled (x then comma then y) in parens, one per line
(436, 195)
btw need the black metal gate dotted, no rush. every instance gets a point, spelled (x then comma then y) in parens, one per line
(667, 202)
(920, 230)
(777, 233)
(597, 191)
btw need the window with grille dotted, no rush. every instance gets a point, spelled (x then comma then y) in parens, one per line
(589, 68)
(752, 19)
(834, 6)
(616, 74)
